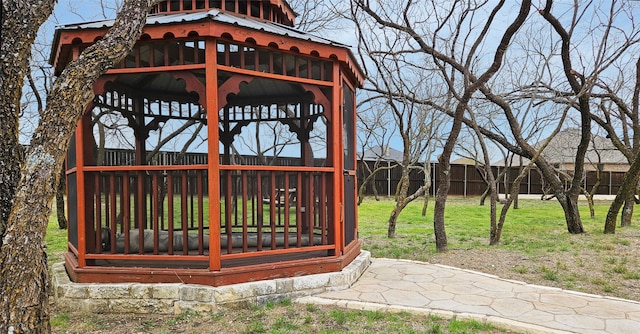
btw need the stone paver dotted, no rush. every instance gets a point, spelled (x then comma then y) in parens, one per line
(385, 285)
(400, 285)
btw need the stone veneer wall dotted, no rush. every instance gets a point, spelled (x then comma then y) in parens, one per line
(176, 298)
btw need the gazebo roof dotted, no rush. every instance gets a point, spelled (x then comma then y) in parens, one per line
(215, 16)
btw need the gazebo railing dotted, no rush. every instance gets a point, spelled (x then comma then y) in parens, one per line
(267, 209)
(162, 212)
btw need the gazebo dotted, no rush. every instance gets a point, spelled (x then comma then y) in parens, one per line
(229, 75)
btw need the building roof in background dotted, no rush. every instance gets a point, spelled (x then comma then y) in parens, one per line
(562, 149)
(385, 153)
(563, 146)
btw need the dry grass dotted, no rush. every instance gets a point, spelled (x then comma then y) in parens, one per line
(271, 318)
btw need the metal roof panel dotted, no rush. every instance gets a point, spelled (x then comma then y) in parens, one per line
(217, 16)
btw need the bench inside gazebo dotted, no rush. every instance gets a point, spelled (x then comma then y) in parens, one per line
(214, 77)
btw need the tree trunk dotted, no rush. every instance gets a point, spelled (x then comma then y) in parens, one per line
(592, 211)
(627, 189)
(445, 181)
(425, 204)
(24, 278)
(627, 212)
(484, 195)
(571, 213)
(60, 207)
(20, 22)
(393, 218)
(401, 202)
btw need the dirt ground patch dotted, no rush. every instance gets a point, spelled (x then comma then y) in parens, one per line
(605, 266)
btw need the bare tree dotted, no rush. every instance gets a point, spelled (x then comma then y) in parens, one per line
(416, 125)
(317, 15)
(618, 114)
(374, 137)
(25, 199)
(445, 34)
(596, 40)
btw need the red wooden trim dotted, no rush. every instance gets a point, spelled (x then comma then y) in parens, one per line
(245, 222)
(299, 215)
(97, 223)
(193, 85)
(113, 214)
(164, 69)
(232, 85)
(146, 257)
(203, 276)
(279, 77)
(72, 248)
(310, 211)
(213, 171)
(183, 208)
(144, 168)
(322, 202)
(320, 98)
(80, 183)
(355, 158)
(199, 184)
(278, 168)
(126, 214)
(170, 211)
(139, 204)
(272, 212)
(154, 214)
(286, 208)
(269, 252)
(338, 163)
(260, 218)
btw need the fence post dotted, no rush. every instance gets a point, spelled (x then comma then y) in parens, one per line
(610, 182)
(433, 179)
(465, 181)
(388, 178)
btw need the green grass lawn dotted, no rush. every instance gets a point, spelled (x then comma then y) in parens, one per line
(537, 226)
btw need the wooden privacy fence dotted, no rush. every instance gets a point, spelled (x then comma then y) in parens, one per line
(466, 180)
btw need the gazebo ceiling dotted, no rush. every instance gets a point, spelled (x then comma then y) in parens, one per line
(155, 83)
(165, 85)
(264, 89)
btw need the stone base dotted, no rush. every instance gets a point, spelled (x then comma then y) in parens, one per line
(176, 298)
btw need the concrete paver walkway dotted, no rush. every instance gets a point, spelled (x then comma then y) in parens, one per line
(402, 285)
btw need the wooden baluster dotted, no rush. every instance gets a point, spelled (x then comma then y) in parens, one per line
(170, 211)
(299, 210)
(183, 204)
(199, 184)
(286, 210)
(260, 220)
(154, 212)
(98, 214)
(244, 212)
(126, 214)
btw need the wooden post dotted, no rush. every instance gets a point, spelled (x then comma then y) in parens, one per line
(213, 170)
